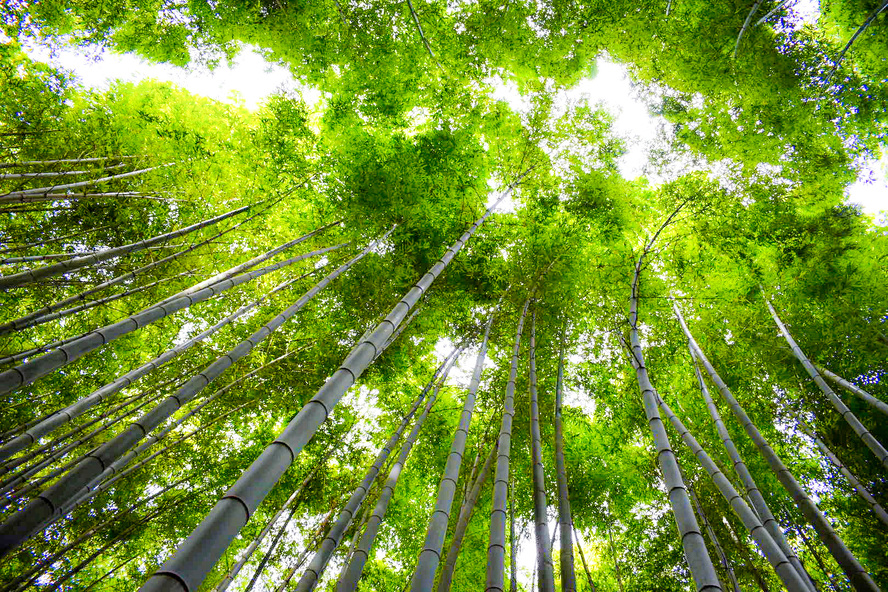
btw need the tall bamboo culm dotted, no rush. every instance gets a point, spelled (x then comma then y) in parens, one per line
(545, 569)
(862, 491)
(496, 549)
(568, 574)
(791, 579)
(462, 522)
(862, 432)
(206, 544)
(430, 555)
(702, 570)
(50, 502)
(860, 579)
(349, 581)
(752, 490)
(23, 278)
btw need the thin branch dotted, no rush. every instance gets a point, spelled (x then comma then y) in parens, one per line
(745, 26)
(421, 34)
(862, 28)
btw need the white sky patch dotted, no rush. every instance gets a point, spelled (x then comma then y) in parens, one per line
(612, 89)
(870, 191)
(248, 80)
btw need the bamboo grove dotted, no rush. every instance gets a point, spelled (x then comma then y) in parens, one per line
(414, 336)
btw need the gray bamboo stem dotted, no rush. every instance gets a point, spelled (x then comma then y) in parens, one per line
(714, 539)
(206, 544)
(745, 26)
(251, 548)
(855, 390)
(32, 370)
(545, 571)
(12, 196)
(462, 523)
(304, 555)
(753, 492)
(862, 432)
(860, 579)
(513, 542)
(792, 580)
(496, 548)
(349, 583)
(859, 488)
(702, 570)
(30, 276)
(568, 574)
(319, 562)
(22, 524)
(430, 556)
(583, 558)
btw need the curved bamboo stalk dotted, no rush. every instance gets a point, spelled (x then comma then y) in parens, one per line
(462, 523)
(513, 542)
(545, 571)
(568, 574)
(859, 578)
(196, 556)
(861, 430)
(24, 374)
(756, 498)
(12, 196)
(349, 583)
(50, 423)
(702, 570)
(430, 556)
(496, 549)
(855, 390)
(30, 276)
(21, 525)
(773, 11)
(771, 550)
(862, 491)
(318, 564)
